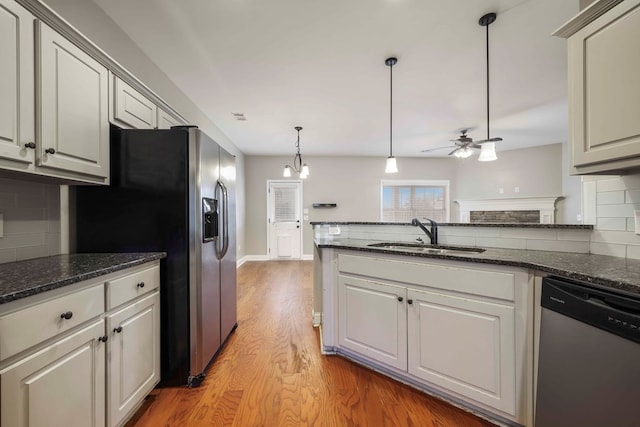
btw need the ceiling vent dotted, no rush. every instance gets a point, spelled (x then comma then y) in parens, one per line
(239, 116)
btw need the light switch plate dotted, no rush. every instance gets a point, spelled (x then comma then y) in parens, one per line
(637, 216)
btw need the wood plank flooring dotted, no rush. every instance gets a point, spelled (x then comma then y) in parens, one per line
(271, 372)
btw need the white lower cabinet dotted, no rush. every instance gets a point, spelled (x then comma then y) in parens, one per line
(373, 320)
(63, 384)
(84, 355)
(463, 329)
(463, 345)
(134, 356)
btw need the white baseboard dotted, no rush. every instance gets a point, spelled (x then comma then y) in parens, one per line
(266, 258)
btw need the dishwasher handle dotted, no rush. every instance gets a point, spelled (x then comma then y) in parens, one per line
(602, 309)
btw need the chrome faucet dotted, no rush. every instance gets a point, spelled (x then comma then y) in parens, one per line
(432, 234)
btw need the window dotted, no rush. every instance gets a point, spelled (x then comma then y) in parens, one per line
(404, 200)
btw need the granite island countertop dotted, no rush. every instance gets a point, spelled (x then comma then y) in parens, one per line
(21, 279)
(613, 273)
(468, 224)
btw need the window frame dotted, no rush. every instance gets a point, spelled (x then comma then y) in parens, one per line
(417, 183)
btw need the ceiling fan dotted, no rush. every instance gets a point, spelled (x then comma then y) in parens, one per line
(463, 145)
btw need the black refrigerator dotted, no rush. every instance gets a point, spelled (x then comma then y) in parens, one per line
(171, 191)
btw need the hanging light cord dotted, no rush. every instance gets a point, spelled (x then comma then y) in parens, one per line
(391, 110)
(487, 81)
(297, 161)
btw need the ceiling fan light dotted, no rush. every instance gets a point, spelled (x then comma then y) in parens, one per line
(287, 172)
(488, 152)
(305, 170)
(392, 167)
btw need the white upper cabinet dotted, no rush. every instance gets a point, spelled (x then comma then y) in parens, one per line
(17, 127)
(604, 89)
(131, 109)
(166, 120)
(73, 107)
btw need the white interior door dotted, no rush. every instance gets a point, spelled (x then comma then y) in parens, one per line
(284, 219)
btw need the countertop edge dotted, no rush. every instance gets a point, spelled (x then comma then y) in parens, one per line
(121, 262)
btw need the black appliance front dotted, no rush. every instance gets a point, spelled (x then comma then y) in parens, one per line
(145, 209)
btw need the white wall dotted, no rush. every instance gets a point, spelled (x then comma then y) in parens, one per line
(91, 21)
(609, 203)
(31, 214)
(354, 184)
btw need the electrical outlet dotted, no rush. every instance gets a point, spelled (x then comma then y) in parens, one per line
(305, 217)
(516, 189)
(334, 231)
(579, 217)
(637, 215)
(501, 190)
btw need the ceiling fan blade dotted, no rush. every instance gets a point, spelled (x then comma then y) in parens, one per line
(474, 145)
(495, 139)
(454, 150)
(433, 149)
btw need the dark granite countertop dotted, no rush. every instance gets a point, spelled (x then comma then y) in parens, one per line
(25, 278)
(466, 224)
(613, 273)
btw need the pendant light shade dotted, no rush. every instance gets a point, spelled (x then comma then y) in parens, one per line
(300, 168)
(488, 150)
(392, 166)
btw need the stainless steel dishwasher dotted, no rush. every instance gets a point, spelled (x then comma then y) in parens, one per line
(589, 360)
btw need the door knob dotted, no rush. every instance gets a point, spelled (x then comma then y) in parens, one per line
(66, 315)
(30, 145)
(118, 329)
(50, 151)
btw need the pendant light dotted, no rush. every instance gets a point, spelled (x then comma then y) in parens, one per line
(392, 166)
(488, 150)
(298, 166)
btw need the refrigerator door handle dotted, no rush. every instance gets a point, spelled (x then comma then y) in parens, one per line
(220, 253)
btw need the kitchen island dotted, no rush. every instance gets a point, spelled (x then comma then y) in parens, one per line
(458, 324)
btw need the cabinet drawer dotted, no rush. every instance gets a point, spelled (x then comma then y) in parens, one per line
(126, 288)
(449, 276)
(28, 327)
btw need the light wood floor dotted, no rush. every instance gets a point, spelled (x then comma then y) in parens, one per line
(271, 372)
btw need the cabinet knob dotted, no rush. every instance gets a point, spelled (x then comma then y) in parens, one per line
(67, 315)
(50, 151)
(103, 338)
(30, 145)
(118, 329)
(141, 285)
(410, 301)
(400, 299)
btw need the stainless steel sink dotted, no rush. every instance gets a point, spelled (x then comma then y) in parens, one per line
(431, 249)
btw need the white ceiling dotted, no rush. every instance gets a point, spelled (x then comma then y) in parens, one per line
(320, 64)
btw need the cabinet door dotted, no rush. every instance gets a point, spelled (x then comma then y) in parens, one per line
(73, 106)
(17, 84)
(463, 345)
(372, 320)
(131, 108)
(166, 120)
(134, 356)
(604, 89)
(61, 385)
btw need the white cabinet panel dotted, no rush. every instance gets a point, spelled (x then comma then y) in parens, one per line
(166, 120)
(134, 356)
(464, 345)
(604, 91)
(61, 385)
(372, 320)
(131, 108)
(17, 98)
(74, 128)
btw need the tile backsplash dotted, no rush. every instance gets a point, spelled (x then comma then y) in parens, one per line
(31, 215)
(609, 203)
